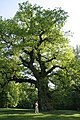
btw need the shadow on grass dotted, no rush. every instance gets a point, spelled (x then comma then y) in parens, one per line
(15, 111)
(24, 114)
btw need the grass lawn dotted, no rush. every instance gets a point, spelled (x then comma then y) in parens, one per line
(24, 114)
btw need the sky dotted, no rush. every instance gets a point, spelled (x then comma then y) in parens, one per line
(8, 9)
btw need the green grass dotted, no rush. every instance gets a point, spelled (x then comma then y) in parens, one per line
(24, 114)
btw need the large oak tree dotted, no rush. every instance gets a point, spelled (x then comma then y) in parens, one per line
(35, 41)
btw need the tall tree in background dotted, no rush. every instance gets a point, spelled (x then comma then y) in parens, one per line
(37, 43)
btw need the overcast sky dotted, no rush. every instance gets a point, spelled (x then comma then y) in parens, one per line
(8, 9)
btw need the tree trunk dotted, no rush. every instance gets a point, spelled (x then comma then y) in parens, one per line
(44, 97)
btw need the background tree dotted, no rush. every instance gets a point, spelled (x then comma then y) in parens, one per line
(66, 92)
(28, 96)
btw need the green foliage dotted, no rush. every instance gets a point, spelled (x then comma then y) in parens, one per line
(36, 29)
(9, 95)
(13, 94)
(27, 96)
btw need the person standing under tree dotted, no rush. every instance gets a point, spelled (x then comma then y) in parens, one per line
(36, 107)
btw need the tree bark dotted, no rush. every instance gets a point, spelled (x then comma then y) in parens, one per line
(43, 95)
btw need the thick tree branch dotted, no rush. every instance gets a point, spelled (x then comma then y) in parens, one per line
(30, 66)
(40, 40)
(41, 63)
(49, 60)
(54, 66)
(31, 54)
(21, 80)
(25, 51)
(24, 62)
(32, 57)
